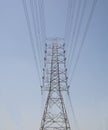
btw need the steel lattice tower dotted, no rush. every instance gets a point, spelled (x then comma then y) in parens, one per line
(55, 81)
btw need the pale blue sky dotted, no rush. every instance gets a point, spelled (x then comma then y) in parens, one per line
(20, 96)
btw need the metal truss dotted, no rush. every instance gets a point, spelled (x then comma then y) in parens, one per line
(55, 81)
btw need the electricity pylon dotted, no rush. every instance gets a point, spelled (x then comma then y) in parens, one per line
(55, 81)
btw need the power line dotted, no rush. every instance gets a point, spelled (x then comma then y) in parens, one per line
(84, 36)
(77, 33)
(68, 15)
(38, 49)
(42, 18)
(42, 22)
(41, 31)
(31, 36)
(74, 29)
(70, 21)
(73, 113)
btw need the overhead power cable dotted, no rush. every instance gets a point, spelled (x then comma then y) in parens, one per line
(42, 19)
(39, 12)
(73, 113)
(31, 37)
(39, 30)
(74, 29)
(70, 21)
(68, 15)
(77, 34)
(83, 39)
(35, 23)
